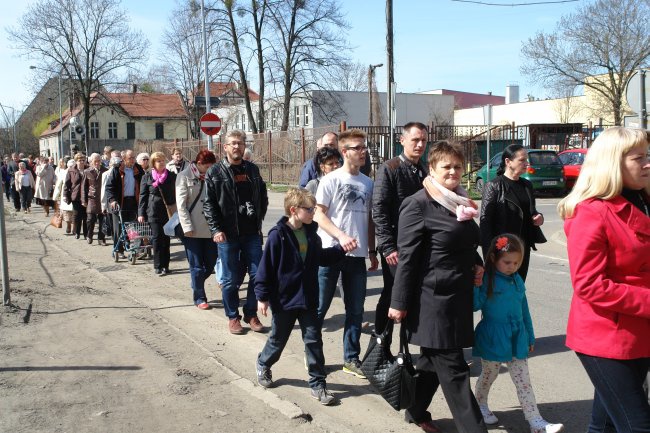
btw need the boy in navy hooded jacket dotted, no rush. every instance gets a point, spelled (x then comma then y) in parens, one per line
(287, 279)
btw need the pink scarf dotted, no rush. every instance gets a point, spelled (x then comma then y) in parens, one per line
(455, 201)
(159, 178)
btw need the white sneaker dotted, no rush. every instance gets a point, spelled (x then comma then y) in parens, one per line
(488, 416)
(539, 425)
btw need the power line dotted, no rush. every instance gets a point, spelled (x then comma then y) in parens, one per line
(515, 4)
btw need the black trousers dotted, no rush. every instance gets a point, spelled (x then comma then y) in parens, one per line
(161, 243)
(79, 218)
(91, 220)
(381, 312)
(446, 368)
(15, 195)
(525, 262)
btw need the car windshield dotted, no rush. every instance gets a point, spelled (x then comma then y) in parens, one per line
(543, 158)
(572, 158)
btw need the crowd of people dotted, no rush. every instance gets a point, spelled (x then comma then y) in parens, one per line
(415, 219)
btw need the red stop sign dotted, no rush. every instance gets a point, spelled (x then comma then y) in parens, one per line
(210, 124)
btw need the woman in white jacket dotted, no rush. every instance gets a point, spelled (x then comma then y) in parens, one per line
(65, 208)
(201, 251)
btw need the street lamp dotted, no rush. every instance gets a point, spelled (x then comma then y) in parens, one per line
(206, 83)
(61, 150)
(13, 122)
(371, 74)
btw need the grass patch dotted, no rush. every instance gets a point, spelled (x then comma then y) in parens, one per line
(275, 187)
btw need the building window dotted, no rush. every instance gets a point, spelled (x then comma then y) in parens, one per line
(160, 131)
(112, 129)
(296, 111)
(274, 119)
(243, 122)
(130, 131)
(306, 114)
(94, 130)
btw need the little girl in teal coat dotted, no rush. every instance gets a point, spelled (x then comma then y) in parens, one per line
(505, 332)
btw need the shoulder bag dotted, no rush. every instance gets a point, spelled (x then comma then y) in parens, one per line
(173, 226)
(393, 376)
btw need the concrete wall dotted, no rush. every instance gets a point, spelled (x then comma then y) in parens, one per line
(564, 110)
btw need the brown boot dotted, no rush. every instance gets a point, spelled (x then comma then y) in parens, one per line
(68, 227)
(234, 326)
(47, 211)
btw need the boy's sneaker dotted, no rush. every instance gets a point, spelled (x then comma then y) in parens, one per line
(264, 376)
(540, 425)
(323, 396)
(353, 367)
(488, 417)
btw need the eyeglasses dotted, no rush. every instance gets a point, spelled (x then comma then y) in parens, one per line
(236, 144)
(145, 159)
(308, 209)
(359, 148)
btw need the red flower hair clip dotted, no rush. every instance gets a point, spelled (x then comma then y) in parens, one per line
(502, 244)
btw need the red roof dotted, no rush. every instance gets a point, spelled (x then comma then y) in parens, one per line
(225, 89)
(134, 105)
(471, 100)
(148, 105)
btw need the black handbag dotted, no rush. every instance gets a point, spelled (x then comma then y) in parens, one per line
(394, 377)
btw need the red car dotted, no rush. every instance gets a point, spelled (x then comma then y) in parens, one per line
(572, 160)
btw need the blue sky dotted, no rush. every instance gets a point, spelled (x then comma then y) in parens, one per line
(438, 43)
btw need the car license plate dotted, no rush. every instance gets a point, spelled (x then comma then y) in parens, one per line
(549, 182)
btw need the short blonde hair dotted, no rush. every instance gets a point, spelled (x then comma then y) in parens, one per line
(601, 174)
(155, 157)
(79, 156)
(297, 197)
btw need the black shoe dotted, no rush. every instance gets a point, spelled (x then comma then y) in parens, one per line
(264, 376)
(76, 236)
(90, 240)
(157, 271)
(167, 271)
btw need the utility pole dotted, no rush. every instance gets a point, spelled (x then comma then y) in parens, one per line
(206, 80)
(391, 84)
(371, 75)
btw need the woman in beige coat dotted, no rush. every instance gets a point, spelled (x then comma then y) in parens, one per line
(67, 211)
(201, 251)
(44, 185)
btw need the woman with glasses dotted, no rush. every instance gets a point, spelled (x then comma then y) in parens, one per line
(327, 159)
(143, 160)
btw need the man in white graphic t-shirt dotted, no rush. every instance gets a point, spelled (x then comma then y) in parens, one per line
(343, 213)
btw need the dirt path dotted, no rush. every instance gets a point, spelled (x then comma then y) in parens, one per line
(79, 354)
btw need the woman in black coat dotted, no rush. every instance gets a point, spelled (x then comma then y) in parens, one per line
(157, 202)
(508, 205)
(438, 265)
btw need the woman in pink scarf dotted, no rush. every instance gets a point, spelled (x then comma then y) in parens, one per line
(157, 203)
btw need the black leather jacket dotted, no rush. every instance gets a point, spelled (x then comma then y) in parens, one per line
(395, 180)
(502, 213)
(221, 200)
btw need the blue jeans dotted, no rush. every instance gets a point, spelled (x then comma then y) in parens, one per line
(250, 248)
(353, 274)
(201, 255)
(620, 404)
(282, 326)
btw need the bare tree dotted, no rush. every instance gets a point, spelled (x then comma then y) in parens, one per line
(88, 40)
(599, 46)
(308, 43)
(350, 76)
(566, 104)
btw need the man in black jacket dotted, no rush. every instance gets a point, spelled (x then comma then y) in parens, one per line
(12, 168)
(396, 179)
(234, 207)
(123, 190)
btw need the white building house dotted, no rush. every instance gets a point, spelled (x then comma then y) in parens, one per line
(323, 108)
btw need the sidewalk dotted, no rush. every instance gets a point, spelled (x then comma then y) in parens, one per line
(93, 345)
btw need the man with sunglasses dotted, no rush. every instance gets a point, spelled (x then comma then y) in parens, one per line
(235, 205)
(344, 202)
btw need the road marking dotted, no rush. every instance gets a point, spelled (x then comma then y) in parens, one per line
(551, 257)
